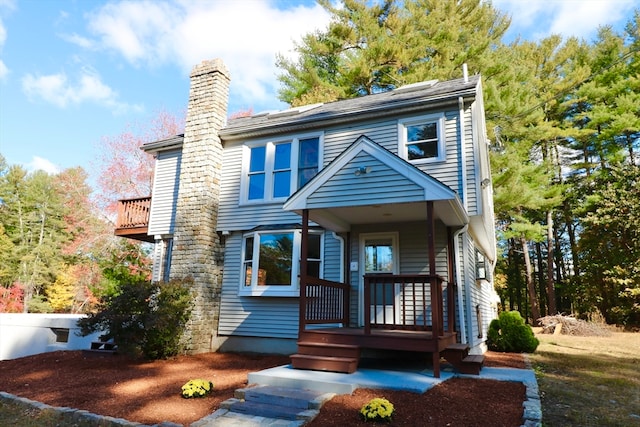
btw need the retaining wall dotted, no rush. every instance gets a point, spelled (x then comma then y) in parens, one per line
(25, 334)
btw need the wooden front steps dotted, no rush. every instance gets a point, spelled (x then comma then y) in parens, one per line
(458, 356)
(326, 357)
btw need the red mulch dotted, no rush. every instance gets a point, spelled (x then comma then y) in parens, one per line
(149, 391)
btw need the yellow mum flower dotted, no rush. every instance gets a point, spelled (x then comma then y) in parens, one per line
(377, 409)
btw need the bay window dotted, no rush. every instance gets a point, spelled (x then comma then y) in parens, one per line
(271, 262)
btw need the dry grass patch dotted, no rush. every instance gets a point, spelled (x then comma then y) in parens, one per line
(589, 381)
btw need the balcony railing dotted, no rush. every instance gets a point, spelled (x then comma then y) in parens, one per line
(133, 218)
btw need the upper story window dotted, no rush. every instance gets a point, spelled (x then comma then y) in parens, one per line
(277, 169)
(271, 264)
(421, 139)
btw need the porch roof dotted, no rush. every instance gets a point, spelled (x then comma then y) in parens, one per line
(367, 184)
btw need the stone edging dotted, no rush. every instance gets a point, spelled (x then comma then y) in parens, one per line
(77, 417)
(532, 406)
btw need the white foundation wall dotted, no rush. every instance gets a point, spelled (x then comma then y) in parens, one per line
(25, 334)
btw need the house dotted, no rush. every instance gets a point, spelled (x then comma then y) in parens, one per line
(328, 230)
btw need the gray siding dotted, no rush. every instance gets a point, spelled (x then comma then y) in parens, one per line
(477, 294)
(165, 193)
(232, 216)
(275, 317)
(348, 189)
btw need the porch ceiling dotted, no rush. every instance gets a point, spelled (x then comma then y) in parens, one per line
(341, 219)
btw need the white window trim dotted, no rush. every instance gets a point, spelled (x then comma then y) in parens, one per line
(269, 163)
(292, 290)
(439, 119)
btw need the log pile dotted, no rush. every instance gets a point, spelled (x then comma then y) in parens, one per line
(569, 325)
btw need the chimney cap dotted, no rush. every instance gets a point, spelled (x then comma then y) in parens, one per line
(210, 66)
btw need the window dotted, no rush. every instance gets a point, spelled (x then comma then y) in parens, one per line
(481, 266)
(277, 169)
(421, 139)
(271, 262)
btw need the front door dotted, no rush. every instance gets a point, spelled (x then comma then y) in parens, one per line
(379, 255)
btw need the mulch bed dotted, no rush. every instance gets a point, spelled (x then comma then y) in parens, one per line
(149, 391)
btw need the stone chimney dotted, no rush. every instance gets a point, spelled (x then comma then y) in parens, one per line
(197, 250)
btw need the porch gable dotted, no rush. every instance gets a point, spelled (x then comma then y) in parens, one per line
(368, 175)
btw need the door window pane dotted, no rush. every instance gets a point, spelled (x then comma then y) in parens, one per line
(378, 256)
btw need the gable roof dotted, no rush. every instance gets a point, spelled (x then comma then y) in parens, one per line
(164, 144)
(404, 99)
(366, 183)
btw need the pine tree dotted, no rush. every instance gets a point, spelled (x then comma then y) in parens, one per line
(376, 46)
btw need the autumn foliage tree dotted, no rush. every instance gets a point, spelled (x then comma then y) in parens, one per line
(125, 171)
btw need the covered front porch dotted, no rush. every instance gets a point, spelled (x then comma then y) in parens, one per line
(399, 312)
(402, 305)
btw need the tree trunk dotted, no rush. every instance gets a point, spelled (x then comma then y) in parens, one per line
(551, 286)
(540, 282)
(533, 299)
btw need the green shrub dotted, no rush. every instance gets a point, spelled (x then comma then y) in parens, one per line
(144, 319)
(508, 333)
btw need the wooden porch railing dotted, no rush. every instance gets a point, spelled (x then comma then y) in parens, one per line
(133, 213)
(395, 302)
(404, 302)
(323, 301)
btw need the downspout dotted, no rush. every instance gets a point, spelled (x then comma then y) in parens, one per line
(463, 155)
(342, 260)
(461, 309)
(343, 278)
(467, 291)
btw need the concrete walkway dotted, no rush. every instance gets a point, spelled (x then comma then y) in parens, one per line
(331, 382)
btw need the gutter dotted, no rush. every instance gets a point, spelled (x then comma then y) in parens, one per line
(461, 310)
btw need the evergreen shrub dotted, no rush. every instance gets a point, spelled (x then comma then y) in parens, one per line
(144, 318)
(509, 333)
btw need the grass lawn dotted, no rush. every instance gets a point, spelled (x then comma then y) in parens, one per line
(589, 381)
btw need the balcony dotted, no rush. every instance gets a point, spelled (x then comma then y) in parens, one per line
(133, 219)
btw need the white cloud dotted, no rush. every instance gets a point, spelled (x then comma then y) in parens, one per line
(537, 19)
(57, 90)
(38, 163)
(246, 35)
(77, 39)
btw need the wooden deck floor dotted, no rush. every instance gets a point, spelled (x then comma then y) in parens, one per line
(406, 340)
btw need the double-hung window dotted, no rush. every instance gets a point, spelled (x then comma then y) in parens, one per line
(277, 169)
(421, 139)
(271, 262)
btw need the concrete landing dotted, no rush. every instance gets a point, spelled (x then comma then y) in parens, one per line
(332, 382)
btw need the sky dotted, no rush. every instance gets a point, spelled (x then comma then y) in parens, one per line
(73, 72)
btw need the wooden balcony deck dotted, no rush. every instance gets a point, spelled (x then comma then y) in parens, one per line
(133, 219)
